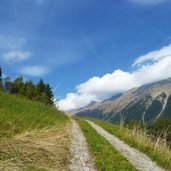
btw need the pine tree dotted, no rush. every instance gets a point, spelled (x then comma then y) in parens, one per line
(17, 85)
(40, 86)
(40, 90)
(49, 94)
(30, 90)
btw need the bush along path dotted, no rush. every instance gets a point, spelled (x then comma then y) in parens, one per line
(138, 159)
(81, 160)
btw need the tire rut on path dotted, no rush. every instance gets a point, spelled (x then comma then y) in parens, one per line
(138, 159)
(81, 160)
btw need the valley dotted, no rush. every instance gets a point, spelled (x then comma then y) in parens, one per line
(36, 136)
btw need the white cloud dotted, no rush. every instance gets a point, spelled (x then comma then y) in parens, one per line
(34, 71)
(154, 55)
(16, 56)
(148, 2)
(12, 49)
(100, 88)
(74, 101)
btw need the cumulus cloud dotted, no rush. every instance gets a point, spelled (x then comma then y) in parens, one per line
(74, 101)
(154, 55)
(34, 71)
(100, 88)
(148, 2)
(16, 56)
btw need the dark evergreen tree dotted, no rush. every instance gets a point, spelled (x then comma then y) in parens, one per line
(30, 90)
(17, 85)
(40, 90)
(49, 94)
(40, 86)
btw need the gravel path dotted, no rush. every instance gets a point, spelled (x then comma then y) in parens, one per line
(81, 159)
(138, 159)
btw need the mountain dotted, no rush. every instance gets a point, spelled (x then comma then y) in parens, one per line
(145, 103)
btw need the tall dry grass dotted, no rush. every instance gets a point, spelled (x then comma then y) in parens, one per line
(45, 149)
(33, 136)
(156, 148)
(156, 145)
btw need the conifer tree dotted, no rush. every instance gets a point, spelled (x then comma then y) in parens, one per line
(17, 85)
(30, 89)
(49, 94)
(40, 90)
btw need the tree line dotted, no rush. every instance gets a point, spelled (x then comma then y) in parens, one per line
(40, 92)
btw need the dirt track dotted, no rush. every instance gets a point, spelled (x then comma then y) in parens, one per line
(138, 159)
(81, 159)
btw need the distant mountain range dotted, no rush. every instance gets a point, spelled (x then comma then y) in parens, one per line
(146, 103)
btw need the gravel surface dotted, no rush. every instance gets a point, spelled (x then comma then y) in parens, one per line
(138, 159)
(81, 159)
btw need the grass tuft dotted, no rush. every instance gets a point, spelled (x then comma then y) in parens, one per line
(33, 136)
(156, 149)
(18, 114)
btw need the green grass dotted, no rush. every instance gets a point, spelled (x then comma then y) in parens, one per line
(33, 136)
(156, 150)
(18, 114)
(105, 156)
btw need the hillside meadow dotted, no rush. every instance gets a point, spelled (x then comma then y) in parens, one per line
(33, 136)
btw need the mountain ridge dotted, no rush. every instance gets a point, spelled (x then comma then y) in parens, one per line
(145, 103)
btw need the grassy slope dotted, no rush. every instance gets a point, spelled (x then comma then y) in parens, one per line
(33, 136)
(105, 156)
(158, 152)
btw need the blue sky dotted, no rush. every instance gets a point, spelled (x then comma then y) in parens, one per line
(68, 43)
